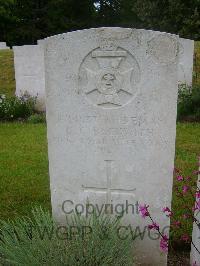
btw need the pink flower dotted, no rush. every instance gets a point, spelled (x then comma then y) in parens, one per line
(164, 243)
(185, 189)
(179, 178)
(153, 226)
(177, 223)
(143, 209)
(167, 211)
(198, 194)
(196, 172)
(185, 238)
(188, 178)
(186, 216)
(197, 207)
(194, 208)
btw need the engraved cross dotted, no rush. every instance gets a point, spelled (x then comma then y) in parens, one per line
(108, 189)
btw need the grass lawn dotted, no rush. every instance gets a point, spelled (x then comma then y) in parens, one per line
(7, 77)
(187, 153)
(24, 180)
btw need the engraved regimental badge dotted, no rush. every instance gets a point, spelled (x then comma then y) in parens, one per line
(108, 76)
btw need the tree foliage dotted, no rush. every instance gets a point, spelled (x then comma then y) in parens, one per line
(26, 21)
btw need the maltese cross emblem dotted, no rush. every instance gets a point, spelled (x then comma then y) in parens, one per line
(108, 77)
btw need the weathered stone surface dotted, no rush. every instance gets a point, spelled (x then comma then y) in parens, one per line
(186, 52)
(29, 72)
(194, 255)
(111, 96)
(3, 46)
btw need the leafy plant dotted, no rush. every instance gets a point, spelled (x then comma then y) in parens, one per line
(37, 118)
(12, 108)
(185, 189)
(81, 241)
(189, 103)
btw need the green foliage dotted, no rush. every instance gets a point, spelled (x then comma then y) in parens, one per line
(189, 103)
(36, 19)
(37, 118)
(187, 153)
(12, 108)
(24, 22)
(39, 241)
(6, 18)
(185, 214)
(175, 16)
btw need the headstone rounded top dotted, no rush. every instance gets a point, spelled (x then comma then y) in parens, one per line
(111, 97)
(108, 33)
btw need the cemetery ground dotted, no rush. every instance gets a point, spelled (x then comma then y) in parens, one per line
(24, 179)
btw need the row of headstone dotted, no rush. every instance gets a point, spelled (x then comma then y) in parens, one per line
(29, 72)
(29, 69)
(186, 52)
(3, 46)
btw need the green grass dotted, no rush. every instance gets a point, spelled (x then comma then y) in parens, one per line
(187, 153)
(24, 180)
(7, 76)
(187, 146)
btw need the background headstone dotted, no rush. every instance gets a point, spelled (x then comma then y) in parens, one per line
(111, 97)
(186, 53)
(3, 46)
(194, 255)
(29, 72)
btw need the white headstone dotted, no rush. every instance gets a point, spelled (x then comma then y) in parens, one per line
(3, 46)
(29, 72)
(194, 255)
(186, 52)
(111, 96)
